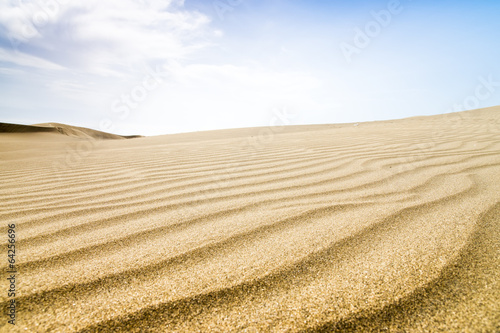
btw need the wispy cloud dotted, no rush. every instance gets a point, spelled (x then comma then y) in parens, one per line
(27, 60)
(102, 37)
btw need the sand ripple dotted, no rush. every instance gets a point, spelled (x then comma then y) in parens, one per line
(387, 226)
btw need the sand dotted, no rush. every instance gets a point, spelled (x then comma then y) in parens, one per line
(389, 226)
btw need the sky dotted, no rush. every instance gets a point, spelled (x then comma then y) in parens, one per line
(155, 67)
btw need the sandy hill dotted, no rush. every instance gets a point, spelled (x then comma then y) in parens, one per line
(56, 128)
(389, 226)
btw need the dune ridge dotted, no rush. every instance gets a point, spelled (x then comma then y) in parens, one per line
(56, 128)
(385, 226)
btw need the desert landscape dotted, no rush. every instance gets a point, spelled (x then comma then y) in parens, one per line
(390, 226)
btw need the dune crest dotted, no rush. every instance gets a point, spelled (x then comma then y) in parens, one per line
(56, 128)
(385, 226)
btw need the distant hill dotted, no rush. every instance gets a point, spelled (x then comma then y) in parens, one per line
(68, 130)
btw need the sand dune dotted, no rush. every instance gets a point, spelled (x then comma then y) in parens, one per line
(386, 226)
(56, 128)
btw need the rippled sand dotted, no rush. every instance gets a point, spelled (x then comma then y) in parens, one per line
(387, 226)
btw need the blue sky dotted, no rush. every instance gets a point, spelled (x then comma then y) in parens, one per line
(166, 66)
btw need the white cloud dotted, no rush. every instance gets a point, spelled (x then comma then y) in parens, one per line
(26, 60)
(103, 37)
